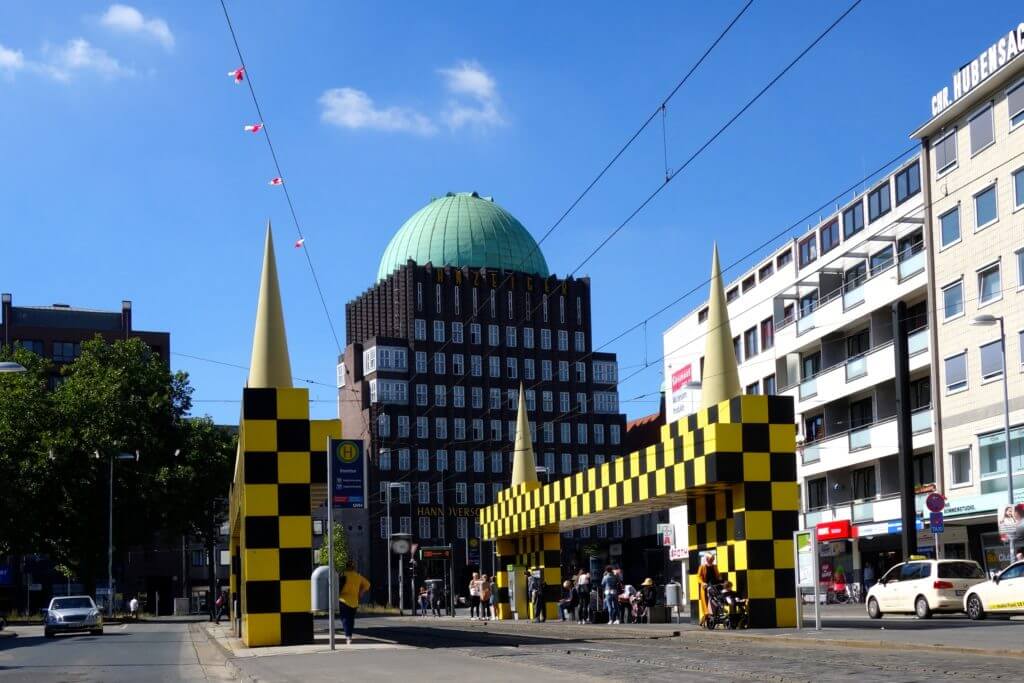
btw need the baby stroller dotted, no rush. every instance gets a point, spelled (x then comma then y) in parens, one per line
(726, 608)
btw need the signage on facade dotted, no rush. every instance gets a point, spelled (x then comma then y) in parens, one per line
(449, 511)
(684, 393)
(834, 531)
(678, 553)
(935, 502)
(348, 471)
(442, 552)
(936, 523)
(971, 75)
(667, 533)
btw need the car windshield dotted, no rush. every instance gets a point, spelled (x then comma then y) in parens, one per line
(72, 603)
(960, 570)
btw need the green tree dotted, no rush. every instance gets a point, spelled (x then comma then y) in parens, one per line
(340, 540)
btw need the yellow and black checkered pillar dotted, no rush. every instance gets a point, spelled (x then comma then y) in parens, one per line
(278, 469)
(505, 551)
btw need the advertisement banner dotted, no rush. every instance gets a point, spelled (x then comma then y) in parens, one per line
(684, 388)
(348, 471)
(805, 563)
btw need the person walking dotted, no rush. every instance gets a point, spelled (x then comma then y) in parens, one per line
(474, 597)
(133, 608)
(583, 592)
(437, 601)
(351, 587)
(494, 599)
(612, 586)
(535, 589)
(485, 597)
(707, 575)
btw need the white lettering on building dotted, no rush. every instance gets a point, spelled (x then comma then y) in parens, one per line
(973, 74)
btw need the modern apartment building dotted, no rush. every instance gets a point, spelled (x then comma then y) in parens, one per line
(813, 320)
(463, 313)
(972, 152)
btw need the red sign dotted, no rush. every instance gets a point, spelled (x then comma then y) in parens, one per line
(682, 377)
(834, 531)
(935, 502)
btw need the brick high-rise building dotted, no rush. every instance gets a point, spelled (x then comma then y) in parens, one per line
(463, 312)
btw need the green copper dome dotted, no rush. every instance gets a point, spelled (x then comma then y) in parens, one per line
(464, 229)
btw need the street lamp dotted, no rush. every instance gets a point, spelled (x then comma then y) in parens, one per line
(542, 469)
(987, 320)
(110, 528)
(391, 485)
(8, 366)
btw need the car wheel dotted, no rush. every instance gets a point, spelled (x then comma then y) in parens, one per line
(975, 610)
(921, 608)
(873, 610)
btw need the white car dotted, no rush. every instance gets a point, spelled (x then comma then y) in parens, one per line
(923, 587)
(1004, 594)
(74, 613)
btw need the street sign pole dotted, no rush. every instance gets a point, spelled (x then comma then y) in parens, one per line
(330, 541)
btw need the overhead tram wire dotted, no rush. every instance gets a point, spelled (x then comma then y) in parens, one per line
(280, 174)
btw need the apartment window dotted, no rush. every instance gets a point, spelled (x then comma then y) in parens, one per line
(476, 366)
(510, 335)
(425, 527)
(855, 277)
(989, 285)
(808, 303)
(510, 306)
(512, 367)
(581, 342)
(950, 224)
(581, 433)
(36, 347)
(479, 493)
(599, 434)
(808, 251)
(457, 331)
(384, 459)
(879, 202)
(748, 283)
(561, 309)
(765, 272)
(767, 334)
(956, 372)
(531, 400)
(858, 343)
(563, 401)
(924, 469)
(1018, 189)
(737, 347)
(440, 428)
(548, 401)
(545, 339)
(439, 364)
(981, 130)
(768, 385)
(563, 340)
(960, 467)
(953, 300)
(512, 397)
(811, 365)
(753, 389)
(783, 258)
(1015, 104)
(732, 295)
(493, 335)
(566, 463)
(462, 525)
(549, 432)
(65, 351)
(528, 369)
(581, 371)
(458, 364)
(853, 220)
(817, 494)
(991, 360)
(439, 330)
(456, 300)
(992, 455)
(460, 461)
(403, 459)
(477, 397)
(944, 152)
(423, 493)
(579, 310)
(544, 307)
(474, 331)
(861, 413)
(478, 461)
(563, 371)
(527, 337)
(750, 342)
(881, 260)
(615, 434)
(440, 395)
(422, 428)
(545, 370)
(495, 430)
(702, 315)
(864, 485)
(421, 361)
(1020, 345)
(494, 366)
(566, 432)
(814, 427)
(494, 304)
(495, 399)
(460, 493)
(985, 210)
(384, 424)
(403, 426)
(908, 182)
(421, 394)
(477, 426)
(419, 296)
(459, 428)
(829, 237)
(441, 457)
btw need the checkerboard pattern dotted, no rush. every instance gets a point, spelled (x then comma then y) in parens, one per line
(733, 464)
(541, 550)
(277, 475)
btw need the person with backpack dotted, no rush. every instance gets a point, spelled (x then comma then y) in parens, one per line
(535, 589)
(612, 586)
(351, 587)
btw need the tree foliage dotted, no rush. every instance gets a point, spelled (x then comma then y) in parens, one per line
(340, 541)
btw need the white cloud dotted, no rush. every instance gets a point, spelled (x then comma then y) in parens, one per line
(11, 61)
(483, 110)
(78, 56)
(351, 108)
(127, 19)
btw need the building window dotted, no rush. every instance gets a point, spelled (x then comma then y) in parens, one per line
(423, 492)
(605, 372)
(879, 202)
(460, 495)
(439, 364)
(1015, 104)
(829, 237)
(544, 307)
(808, 251)
(421, 362)
(545, 370)
(457, 331)
(547, 400)
(606, 402)
(421, 394)
(953, 300)
(566, 432)
(384, 459)
(992, 457)
(545, 339)
(563, 340)
(425, 527)
(563, 401)
(437, 298)
(476, 366)
(527, 337)
(748, 283)
(981, 130)
(702, 315)
(512, 366)
(989, 285)
(419, 296)
(384, 425)
(944, 152)
(750, 342)
(817, 494)
(908, 182)
(581, 342)
(494, 305)
(528, 369)
(853, 220)
(531, 400)
(767, 334)
(599, 434)
(956, 372)
(420, 329)
(495, 430)
(566, 463)
(403, 426)
(442, 460)
(581, 371)
(510, 306)
(459, 427)
(460, 461)
(458, 364)
(1018, 189)
(462, 524)
(478, 429)
(423, 460)
(737, 347)
(65, 352)
(495, 398)
(494, 366)
(456, 301)
(732, 295)
(950, 224)
(440, 395)
(991, 360)
(768, 385)
(783, 258)
(422, 428)
(510, 336)
(765, 272)
(581, 433)
(881, 260)
(960, 467)
(563, 371)
(493, 335)
(615, 434)
(549, 432)
(985, 210)
(753, 389)
(403, 459)
(864, 484)
(474, 331)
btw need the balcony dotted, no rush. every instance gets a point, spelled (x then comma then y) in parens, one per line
(917, 341)
(808, 388)
(853, 297)
(912, 264)
(879, 508)
(860, 438)
(842, 450)
(856, 367)
(921, 420)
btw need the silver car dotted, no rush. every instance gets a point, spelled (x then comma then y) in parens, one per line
(74, 613)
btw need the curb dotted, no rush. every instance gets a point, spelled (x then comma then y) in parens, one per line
(881, 645)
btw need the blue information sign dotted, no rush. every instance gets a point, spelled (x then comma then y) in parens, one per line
(348, 472)
(936, 523)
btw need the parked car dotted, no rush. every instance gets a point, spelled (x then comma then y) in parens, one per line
(1003, 594)
(924, 587)
(73, 613)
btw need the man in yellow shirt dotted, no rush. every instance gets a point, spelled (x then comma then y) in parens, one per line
(352, 586)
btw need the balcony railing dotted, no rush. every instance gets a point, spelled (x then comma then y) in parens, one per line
(860, 437)
(808, 388)
(921, 420)
(853, 296)
(911, 261)
(805, 322)
(811, 453)
(917, 341)
(856, 367)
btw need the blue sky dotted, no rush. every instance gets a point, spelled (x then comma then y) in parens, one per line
(126, 173)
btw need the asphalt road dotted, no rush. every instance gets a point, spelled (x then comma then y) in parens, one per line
(131, 652)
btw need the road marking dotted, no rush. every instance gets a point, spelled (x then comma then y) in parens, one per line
(124, 626)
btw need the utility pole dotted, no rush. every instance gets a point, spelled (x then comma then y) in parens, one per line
(904, 430)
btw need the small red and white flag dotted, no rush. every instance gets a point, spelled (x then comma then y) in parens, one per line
(254, 128)
(276, 181)
(238, 74)
(299, 242)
